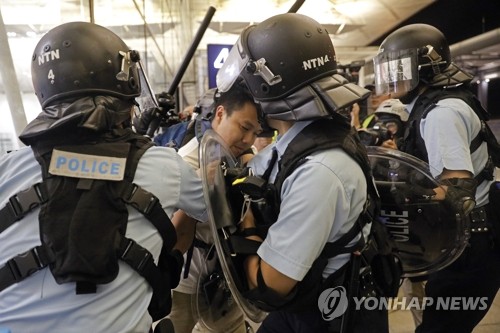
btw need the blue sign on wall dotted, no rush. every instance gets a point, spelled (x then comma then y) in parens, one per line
(216, 55)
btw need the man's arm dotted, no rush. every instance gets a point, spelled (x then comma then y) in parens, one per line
(448, 174)
(185, 227)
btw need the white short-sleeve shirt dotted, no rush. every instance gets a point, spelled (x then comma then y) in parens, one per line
(39, 304)
(320, 201)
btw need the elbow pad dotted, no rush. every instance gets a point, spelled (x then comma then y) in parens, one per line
(266, 298)
(461, 194)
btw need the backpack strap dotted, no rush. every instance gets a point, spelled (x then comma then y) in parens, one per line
(333, 249)
(326, 134)
(139, 258)
(23, 265)
(412, 142)
(148, 205)
(21, 204)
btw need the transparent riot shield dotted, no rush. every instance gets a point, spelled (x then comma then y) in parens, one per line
(214, 306)
(429, 234)
(215, 160)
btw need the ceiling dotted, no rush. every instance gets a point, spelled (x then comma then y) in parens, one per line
(357, 26)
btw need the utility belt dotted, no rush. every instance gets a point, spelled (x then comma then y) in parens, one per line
(479, 220)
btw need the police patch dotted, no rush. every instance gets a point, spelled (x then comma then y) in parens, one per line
(70, 164)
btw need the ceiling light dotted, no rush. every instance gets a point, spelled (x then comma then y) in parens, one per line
(490, 76)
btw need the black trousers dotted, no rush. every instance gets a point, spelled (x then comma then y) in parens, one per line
(373, 321)
(475, 274)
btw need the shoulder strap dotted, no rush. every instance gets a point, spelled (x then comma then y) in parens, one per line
(321, 135)
(145, 202)
(139, 146)
(139, 258)
(412, 142)
(326, 134)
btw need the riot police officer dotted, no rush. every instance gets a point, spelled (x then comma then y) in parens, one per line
(85, 233)
(414, 64)
(288, 63)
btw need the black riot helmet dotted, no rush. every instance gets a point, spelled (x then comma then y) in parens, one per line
(413, 53)
(279, 56)
(81, 58)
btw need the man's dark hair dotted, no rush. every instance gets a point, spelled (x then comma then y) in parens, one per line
(234, 99)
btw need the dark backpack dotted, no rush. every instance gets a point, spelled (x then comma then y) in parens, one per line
(179, 134)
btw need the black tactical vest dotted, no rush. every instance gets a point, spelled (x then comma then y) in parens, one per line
(413, 143)
(83, 216)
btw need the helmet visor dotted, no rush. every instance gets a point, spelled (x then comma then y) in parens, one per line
(233, 66)
(396, 71)
(147, 99)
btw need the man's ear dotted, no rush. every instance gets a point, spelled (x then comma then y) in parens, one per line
(219, 113)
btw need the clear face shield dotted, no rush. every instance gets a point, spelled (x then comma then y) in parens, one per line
(238, 61)
(132, 66)
(396, 72)
(233, 66)
(147, 99)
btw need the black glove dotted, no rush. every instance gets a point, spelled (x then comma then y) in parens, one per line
(166, 101)
(411, 193)
(142, 121)
(168, 115)
(460, 194)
